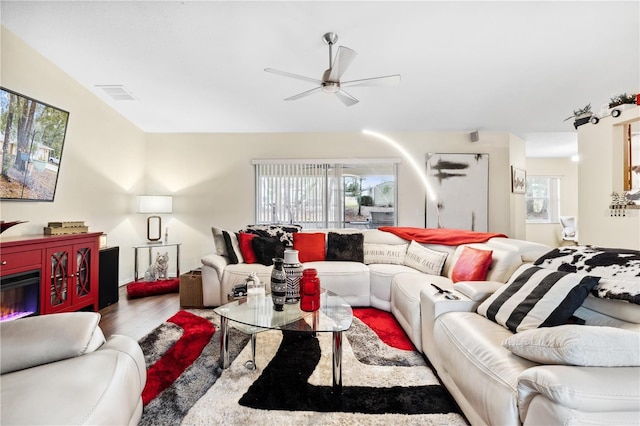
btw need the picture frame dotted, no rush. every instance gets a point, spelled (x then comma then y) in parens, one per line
(518, 180)
(459, 191)
(32, 137)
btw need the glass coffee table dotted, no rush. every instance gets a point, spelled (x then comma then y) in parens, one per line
(334, 316)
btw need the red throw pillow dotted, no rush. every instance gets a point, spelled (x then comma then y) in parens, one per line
(472, 265)
(310, 246)
(246, 248)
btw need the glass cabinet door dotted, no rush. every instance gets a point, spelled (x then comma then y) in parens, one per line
(83, 272)
(58, 295)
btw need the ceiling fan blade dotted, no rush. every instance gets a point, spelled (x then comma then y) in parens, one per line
(346, 98)
(303, 94)
(288, 74)
(343, 59)
(387, 80)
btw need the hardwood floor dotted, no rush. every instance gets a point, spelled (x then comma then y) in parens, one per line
(137, 317)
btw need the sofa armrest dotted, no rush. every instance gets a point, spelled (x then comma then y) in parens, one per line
(130, 348)
(32, 341)
(217, 262)
(589, 389)
(477, 290)
(432, 305)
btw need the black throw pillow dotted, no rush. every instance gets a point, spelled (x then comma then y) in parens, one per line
(266, 248)
(231, 251)
(345, 247)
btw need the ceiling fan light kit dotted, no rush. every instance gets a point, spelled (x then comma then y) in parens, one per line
(330, 82)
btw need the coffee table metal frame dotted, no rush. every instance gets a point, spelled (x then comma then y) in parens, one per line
(335, 316)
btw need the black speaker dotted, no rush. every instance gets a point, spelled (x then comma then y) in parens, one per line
(474, 136)
(108, 276)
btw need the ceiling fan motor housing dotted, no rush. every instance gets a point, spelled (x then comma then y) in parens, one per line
(327, 85)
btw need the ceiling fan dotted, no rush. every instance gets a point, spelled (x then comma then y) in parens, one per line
(330, 82)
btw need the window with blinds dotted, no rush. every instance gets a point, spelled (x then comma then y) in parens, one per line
(323, 194)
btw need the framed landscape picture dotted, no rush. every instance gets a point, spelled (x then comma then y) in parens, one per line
(32, 135)
(518, 180)
(459, 196)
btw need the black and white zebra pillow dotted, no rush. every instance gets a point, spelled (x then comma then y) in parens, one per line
(536, 297)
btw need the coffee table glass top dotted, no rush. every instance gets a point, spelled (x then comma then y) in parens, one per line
(334, 314)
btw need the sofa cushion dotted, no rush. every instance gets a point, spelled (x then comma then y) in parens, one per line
(267, 248)
(380, 275)
(384, 253)
(471, 265)
(349, 280)
(282, 232)
(536, 297)
(528, 251)
(310, 246)
(246, 248)
(405, 301)
(345, 247)
(218, 241)
(424, 259)
(233, 247)
(584, 345)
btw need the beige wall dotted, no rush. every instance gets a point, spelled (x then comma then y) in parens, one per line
(567, 170)
(600, 147)
(212, 178)
(103, 159)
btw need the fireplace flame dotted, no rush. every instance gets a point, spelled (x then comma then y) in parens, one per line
(12, 305)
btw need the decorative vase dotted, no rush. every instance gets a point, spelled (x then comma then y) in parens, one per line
(278, 284)
(293, 269)
(310, 291)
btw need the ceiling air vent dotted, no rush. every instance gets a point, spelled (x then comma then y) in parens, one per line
(117, 92)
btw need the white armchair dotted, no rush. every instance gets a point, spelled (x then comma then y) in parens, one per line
(60, 369)
(569, 230)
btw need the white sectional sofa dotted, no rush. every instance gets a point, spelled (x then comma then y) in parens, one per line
(358, 283)
(64, 357)
(491, 384)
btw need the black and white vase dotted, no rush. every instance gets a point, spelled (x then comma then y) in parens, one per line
(278, 284)
(293, 269)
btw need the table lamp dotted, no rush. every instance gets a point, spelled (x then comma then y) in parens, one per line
(154, 204)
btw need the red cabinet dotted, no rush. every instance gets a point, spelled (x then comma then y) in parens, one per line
(68, 266)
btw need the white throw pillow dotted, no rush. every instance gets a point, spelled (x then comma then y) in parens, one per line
(384, 253)
(425, 260)
(589, 346)
(218, 241)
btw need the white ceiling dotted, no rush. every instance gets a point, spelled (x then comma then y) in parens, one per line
(197, 66)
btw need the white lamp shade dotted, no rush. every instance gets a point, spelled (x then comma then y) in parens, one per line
(155, 204)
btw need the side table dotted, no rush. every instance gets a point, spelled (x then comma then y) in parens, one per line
(150, 248)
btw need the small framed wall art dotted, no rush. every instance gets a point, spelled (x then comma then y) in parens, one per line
(518, 180)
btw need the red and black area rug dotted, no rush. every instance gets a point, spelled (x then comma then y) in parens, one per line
(383, 383)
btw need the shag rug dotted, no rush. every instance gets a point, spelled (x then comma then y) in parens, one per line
(152, 288)
(292, 383)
